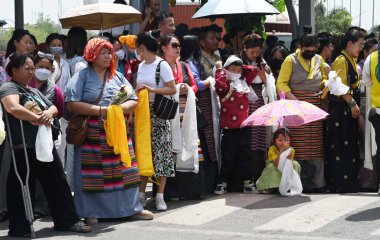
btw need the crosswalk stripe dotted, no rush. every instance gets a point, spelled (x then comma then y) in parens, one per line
(210, 210)
(316, 214)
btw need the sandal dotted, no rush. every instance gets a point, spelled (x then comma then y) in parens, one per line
(143, 215)
(81, 227)
(91, 220)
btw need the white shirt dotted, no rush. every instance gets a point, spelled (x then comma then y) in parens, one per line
(61, 73)
(146, 75)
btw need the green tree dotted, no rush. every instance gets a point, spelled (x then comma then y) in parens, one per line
(336, 21)
(41, 29)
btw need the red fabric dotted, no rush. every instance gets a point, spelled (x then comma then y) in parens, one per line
(178, 76)
(235, 109)
(92, 50)
(130, 68)
(150, 25)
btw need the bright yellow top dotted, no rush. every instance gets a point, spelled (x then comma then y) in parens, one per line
(273, 153)
(283, 80)
(341, 63)
(375, 89)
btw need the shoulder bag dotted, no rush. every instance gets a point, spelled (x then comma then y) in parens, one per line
(76, 130)
(163, 107)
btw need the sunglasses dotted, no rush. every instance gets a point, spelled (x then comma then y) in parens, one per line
(46, 55)
(175, 45)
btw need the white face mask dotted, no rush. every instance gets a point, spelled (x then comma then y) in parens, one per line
(42, 74)
(120, 54)
(233, 76)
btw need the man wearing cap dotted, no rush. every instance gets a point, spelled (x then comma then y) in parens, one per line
(232, 86)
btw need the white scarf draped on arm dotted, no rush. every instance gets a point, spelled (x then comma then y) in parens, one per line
(185, 137)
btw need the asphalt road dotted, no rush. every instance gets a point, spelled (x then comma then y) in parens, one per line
(241, 216)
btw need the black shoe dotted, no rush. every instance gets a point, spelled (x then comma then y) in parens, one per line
(319, 190)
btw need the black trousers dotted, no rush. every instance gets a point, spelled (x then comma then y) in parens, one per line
(54, 184)
(375, 120)
(235, 152)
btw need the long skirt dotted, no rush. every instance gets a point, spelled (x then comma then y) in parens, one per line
(271, 176)
(307, 141)
(207, 142)
(258, 136)
(342, 162)
(161, 146)
(186, 185)
(103, 187)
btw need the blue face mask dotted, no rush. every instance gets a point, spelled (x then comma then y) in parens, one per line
(56, 50)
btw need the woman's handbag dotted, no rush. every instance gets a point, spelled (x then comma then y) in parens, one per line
(76, 130)
(163, 107)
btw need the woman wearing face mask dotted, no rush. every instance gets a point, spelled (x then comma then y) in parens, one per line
(276, 58)
(61, 77)
(264, 87)
(42, 80)
(61, 73)
(300, 77)
(342, 161)
(14, 95)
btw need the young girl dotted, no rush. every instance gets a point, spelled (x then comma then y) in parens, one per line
(271, 175)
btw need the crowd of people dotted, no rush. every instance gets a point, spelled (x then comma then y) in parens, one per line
(216, 82)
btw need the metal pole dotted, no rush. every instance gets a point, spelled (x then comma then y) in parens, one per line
(360, 13)
(350, 8)
(334, 4)
(19, 13)
(373, 13)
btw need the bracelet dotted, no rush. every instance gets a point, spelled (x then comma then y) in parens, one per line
(100, 111)
(352, 103)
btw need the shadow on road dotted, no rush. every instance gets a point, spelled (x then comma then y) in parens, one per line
(372, 214)
(279, 202)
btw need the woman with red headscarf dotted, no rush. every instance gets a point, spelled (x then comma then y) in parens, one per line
(104, 187)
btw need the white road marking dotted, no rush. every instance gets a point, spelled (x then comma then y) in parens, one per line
(316, 214)
(210, 210)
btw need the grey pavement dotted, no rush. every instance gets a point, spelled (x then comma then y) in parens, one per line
(242, 216)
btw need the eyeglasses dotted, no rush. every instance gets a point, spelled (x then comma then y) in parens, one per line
(46, 55)
(176, 45)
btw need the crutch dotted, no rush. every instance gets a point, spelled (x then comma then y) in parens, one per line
(24, 186)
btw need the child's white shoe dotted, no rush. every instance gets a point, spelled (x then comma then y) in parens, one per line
(221, 188)
(249, 186)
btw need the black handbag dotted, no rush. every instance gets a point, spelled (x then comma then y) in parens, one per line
(163, 107)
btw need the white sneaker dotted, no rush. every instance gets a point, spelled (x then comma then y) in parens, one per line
(161, 205)
(249, 186)
(221, 188)
(143, 200)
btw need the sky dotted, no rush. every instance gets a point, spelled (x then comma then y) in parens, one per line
(50, 9)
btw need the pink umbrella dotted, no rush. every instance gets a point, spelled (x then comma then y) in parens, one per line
(285, 112)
